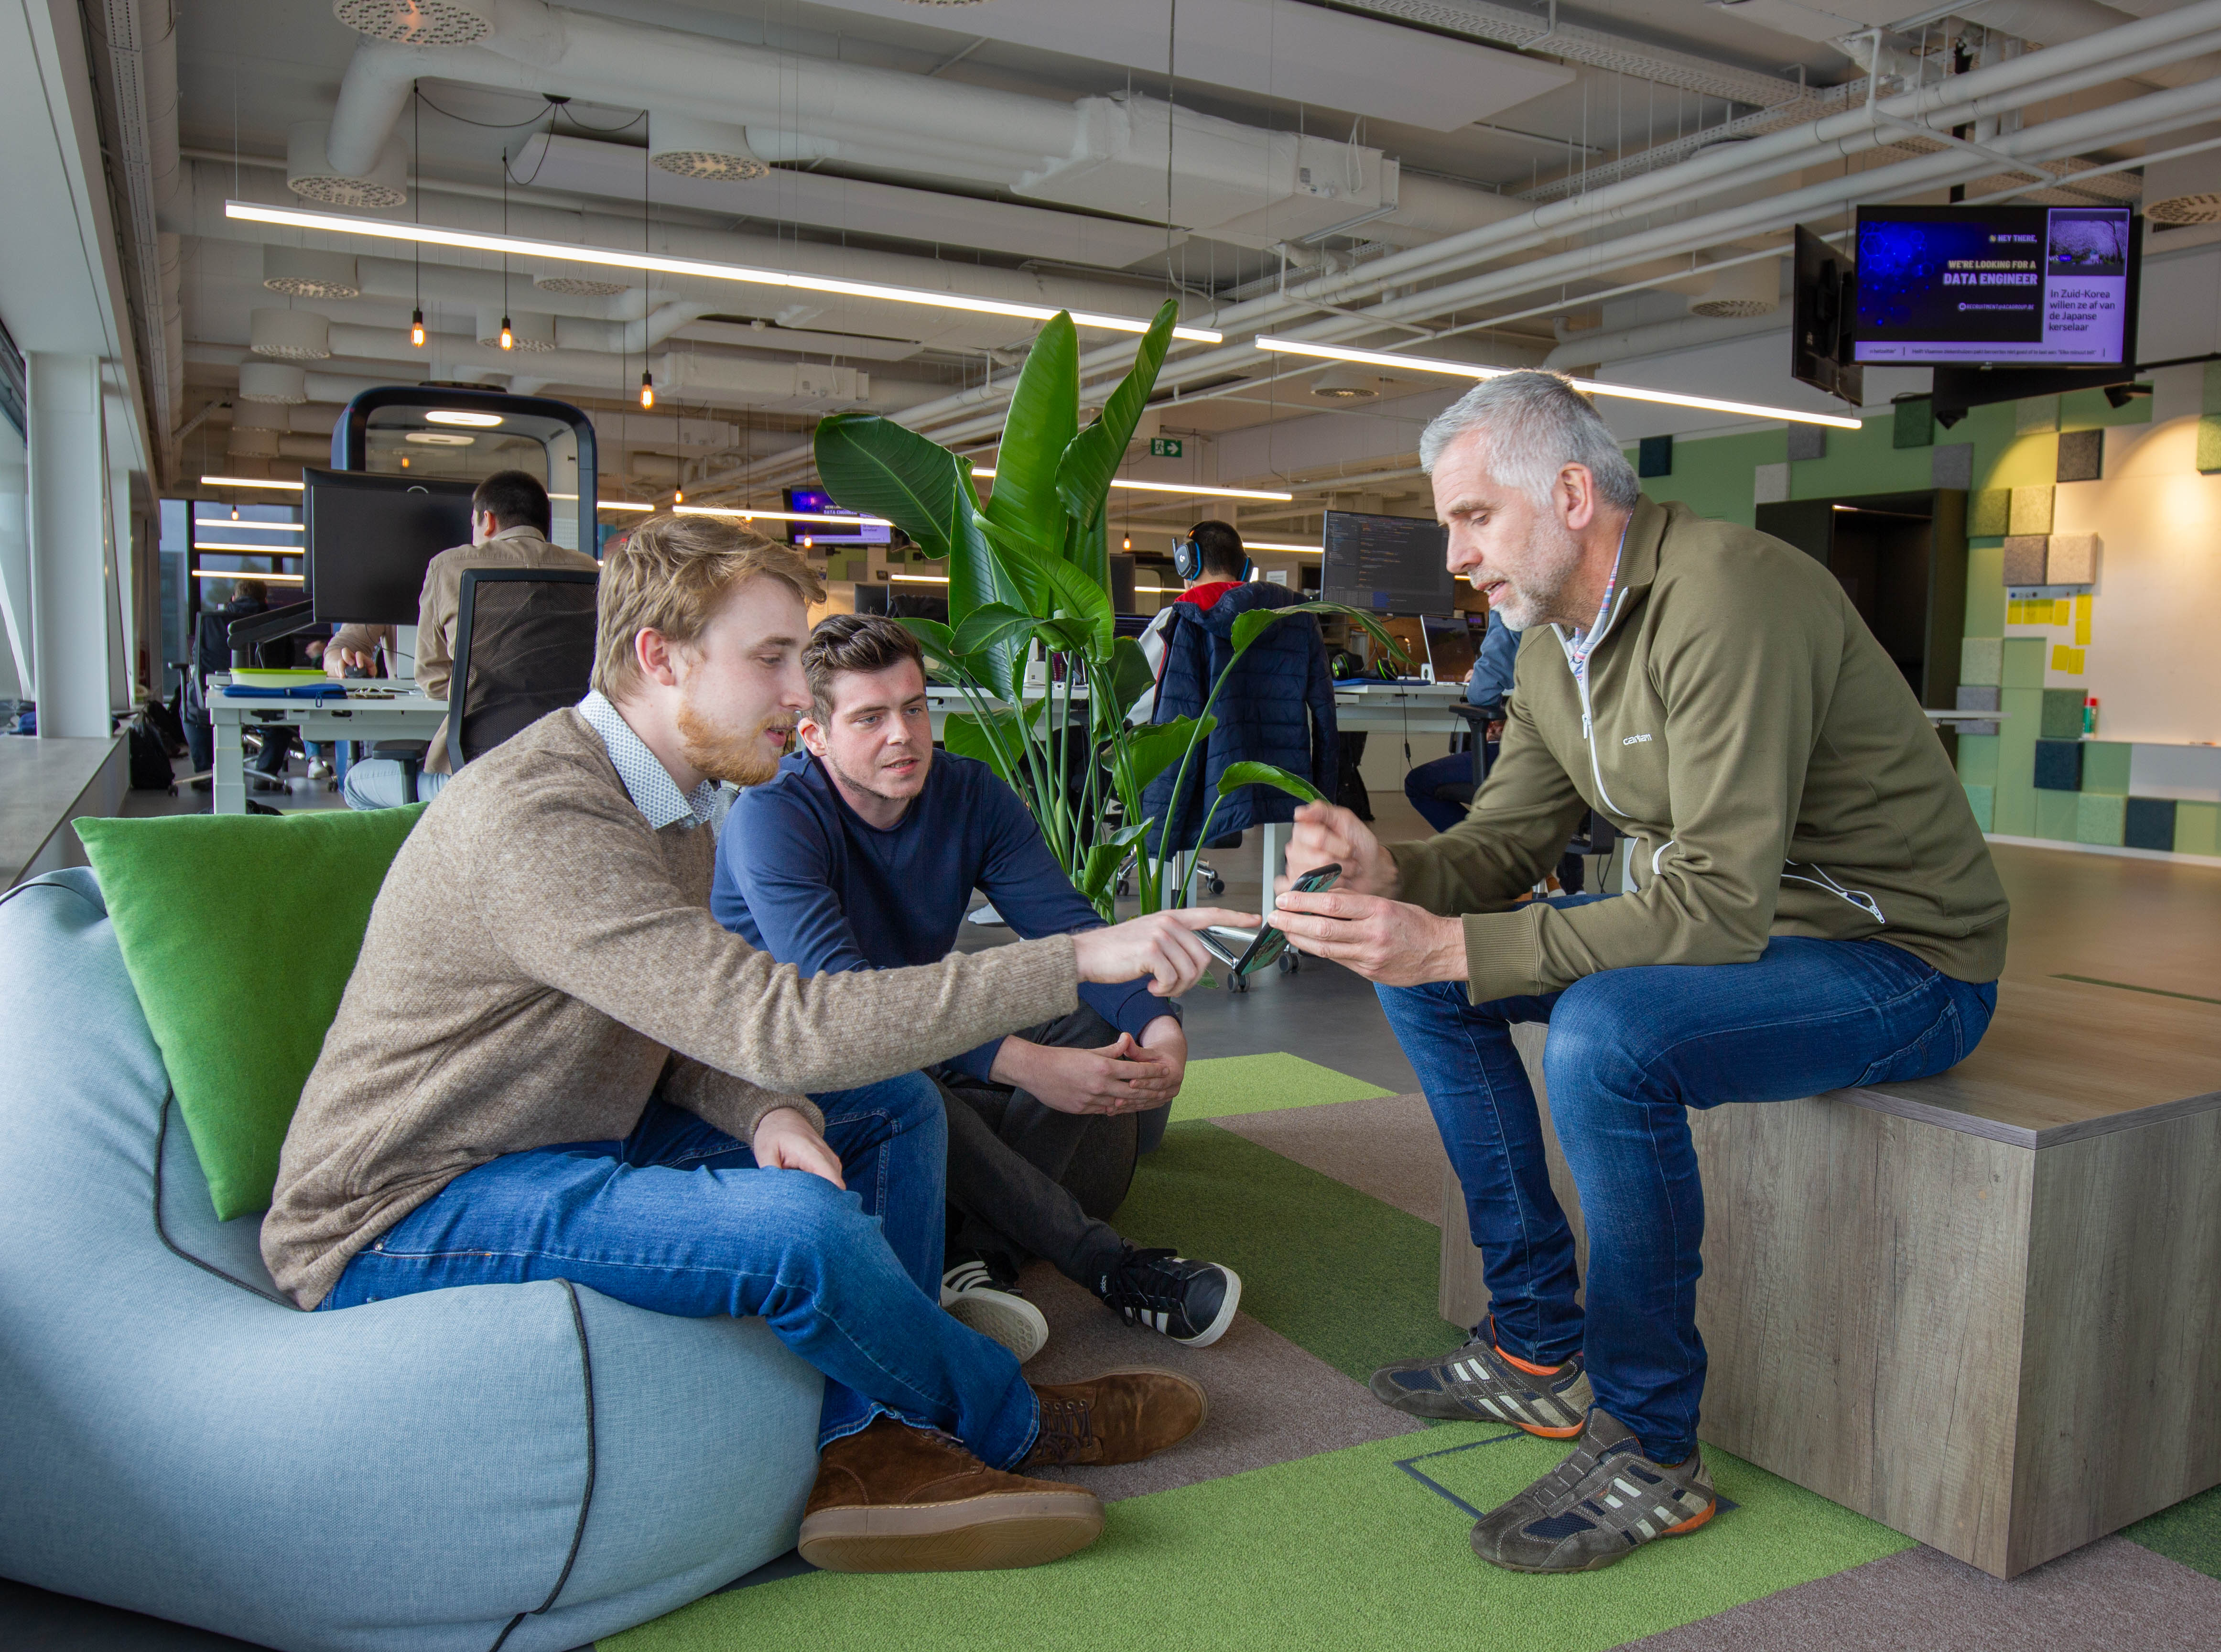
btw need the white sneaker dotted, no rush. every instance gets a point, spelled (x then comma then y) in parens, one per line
(997, 1311)
(986, 915)
(320, 770)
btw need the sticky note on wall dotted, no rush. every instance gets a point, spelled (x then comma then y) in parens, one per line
(2082, 621)
(2066, 659)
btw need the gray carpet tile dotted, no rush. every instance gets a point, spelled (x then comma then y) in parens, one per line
(1270, 1401)
(2110, 1595)
(1387, 1147)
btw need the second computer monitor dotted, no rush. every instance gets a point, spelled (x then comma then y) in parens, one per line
(369, 535)
(1387, 565)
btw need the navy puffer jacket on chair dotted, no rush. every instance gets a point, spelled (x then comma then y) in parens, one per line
(1277, 708)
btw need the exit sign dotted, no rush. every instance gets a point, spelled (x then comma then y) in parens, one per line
(1164, 447)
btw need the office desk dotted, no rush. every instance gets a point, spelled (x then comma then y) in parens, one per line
(409, 715)
(1424, 707)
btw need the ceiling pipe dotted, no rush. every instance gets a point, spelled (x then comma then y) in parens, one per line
(143, 74)
(2056, 22)
(956, 418)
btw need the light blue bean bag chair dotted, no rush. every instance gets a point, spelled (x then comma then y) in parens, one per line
(524, 1467)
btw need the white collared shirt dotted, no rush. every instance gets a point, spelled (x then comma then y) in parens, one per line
(647, 782)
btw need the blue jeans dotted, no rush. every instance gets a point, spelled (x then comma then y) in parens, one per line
(375, 783)
(1630, 1051)
(679, 1219)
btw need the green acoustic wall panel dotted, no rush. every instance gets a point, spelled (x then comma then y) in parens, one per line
(2022, 710)
(2031, 509)
(2209, 426)
(1978, 759)
(2100, 819)
(1982, 799)
(1989, 511)
(1915, 426)
(2021, 665)
(2058, 815)
(1982, 660)
(2013, 812)
(2105, 766)
(2198, 828)
(2063, 714)
(2150, 823)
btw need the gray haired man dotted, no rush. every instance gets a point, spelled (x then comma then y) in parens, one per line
(1811, 906)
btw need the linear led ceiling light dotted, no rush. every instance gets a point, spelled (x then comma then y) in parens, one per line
(251, 550)
(455, 415)
(612, 258)
(1590, 386)
(739, 515)
(247, 481)
(616, 504)
(1275, 545)
(259, 526)
(1184, 487)
(250, 574)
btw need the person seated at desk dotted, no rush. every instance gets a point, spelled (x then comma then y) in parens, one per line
(1485, 688)
(860, 854)
(511, 519)
(551, 1063)
(1813, 908)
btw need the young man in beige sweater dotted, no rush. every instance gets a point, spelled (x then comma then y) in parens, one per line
(551, 1062)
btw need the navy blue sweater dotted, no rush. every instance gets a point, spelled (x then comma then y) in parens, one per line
(803, 877)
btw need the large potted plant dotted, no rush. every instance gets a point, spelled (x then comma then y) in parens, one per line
(1028, 568)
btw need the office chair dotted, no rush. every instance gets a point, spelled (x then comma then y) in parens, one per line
(1597, 835)
(524, 647)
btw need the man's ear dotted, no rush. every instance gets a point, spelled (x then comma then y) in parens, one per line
(1577, 497)
(652, 653)
(812, 734)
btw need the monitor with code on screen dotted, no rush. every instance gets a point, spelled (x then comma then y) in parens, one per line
(1393, 566)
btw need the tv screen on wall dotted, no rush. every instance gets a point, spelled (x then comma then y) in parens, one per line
(1997, 285)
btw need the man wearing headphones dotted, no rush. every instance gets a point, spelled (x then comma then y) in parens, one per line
(1210, 562)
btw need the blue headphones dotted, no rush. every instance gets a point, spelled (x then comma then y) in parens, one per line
(1188, 561)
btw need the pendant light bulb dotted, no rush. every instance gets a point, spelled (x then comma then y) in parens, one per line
(416, 330)
(1127, 544)
(647, 390)
(507, 337)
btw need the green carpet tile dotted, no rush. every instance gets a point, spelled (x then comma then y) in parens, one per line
(1334, 1271)
(2190, 1532)
(1259, 1084)
(1335, 1551)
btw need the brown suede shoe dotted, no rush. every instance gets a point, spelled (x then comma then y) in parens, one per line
(1122, 1417)
(895, 1499)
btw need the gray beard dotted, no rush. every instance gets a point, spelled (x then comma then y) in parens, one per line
(1539, 599)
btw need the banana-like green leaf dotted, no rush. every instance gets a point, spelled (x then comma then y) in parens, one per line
(1100, 871)
(1043, 415)
(1092, 458)
(1248, 627)
(963, 735)
(1153, 750)
(872, 463)
(989, 624)
(1128, 677)
(1238, 775)
(1060, 586)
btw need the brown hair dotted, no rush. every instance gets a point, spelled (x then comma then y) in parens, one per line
(862, 642)
(669, 574)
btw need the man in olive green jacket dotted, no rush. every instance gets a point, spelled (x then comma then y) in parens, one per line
(1809, 905)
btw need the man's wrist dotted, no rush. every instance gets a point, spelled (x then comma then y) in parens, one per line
(1448, 952)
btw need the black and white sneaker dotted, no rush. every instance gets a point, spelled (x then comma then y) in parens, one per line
(976, 1299)
(1481, 1382)
(1191, 1302)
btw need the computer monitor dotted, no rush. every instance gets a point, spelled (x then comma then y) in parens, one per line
(817, 534)
(369, 538)
(1387, 565)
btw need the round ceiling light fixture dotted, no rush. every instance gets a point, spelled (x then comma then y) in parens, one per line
(310, 173)
(289, 334)
(577, 286)
(303, 272)
(416, 22)
(456, 415)
(688, 146)
(1745, 290)
(1346, 385)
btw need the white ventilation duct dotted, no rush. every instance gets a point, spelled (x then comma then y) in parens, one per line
(532, 335)
(687, 146)
(382, 181)
(289, 334)
(304, 273)
(272, 382)
(1743, 289)
(247, 443)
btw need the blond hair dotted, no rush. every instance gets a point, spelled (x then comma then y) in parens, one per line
(670, 574)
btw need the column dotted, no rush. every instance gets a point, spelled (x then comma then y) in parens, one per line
(70, 629)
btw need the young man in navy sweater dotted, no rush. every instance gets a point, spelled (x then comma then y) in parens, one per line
(862, 854)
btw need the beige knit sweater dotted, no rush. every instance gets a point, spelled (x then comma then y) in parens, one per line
(539, 962)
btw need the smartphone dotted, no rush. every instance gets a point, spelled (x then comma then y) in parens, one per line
(1244, 953)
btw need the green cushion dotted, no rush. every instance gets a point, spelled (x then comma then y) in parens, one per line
(239, 932)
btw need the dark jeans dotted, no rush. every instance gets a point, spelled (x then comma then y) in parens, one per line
(1630, 1052)
(1026, 1180)
(679, 1218)
(1456, 769)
